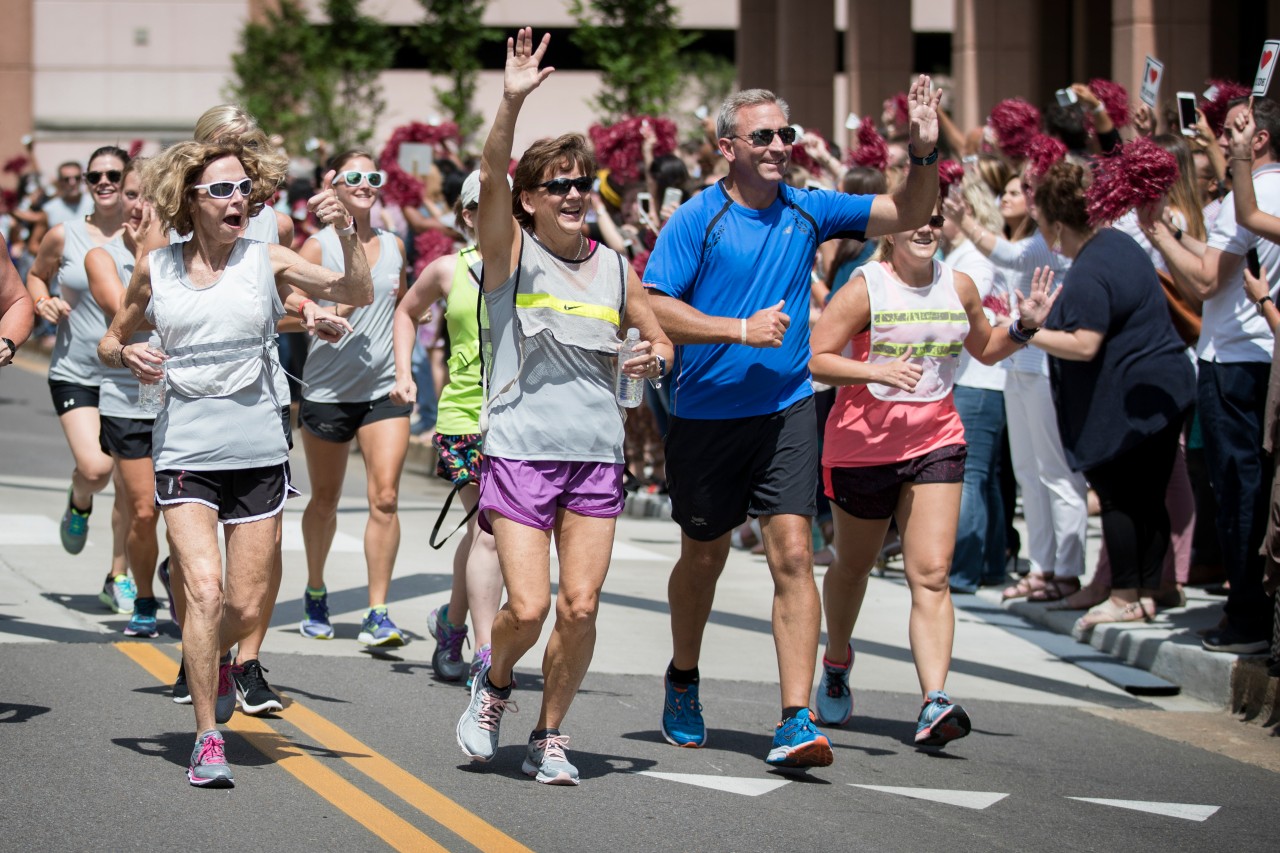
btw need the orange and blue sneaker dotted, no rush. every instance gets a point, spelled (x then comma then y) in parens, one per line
(682, 723)
(798, 743)
(941, 721)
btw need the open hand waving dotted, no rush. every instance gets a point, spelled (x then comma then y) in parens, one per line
(522, 74)
(922, 107)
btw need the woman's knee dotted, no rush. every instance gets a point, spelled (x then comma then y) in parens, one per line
(384, 500)
(577, 610)
(529, 612)
(932, 576)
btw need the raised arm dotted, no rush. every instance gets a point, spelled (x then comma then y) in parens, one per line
(990, 344)
(1242, 189)
(352, 286)
(497, 227)
(912, 203)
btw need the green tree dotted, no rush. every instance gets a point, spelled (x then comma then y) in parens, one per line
(450, 38)
(302, 80)
(636, 44)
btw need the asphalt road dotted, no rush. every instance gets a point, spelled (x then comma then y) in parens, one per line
(93, 753)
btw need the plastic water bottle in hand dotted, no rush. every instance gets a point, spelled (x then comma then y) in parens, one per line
(151, 397)
(629, 389)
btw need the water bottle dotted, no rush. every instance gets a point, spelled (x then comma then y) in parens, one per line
(629, 390)
(151, 397)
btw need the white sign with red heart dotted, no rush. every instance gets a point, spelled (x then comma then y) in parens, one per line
(1266, 64)
(1151, 77)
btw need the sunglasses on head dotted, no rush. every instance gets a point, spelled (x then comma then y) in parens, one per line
(561, 186)
(353, 178)
(112, 175)
(225, 189)
(936, 220)
(764, 137)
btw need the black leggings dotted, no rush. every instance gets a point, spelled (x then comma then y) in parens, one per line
(1135, 523)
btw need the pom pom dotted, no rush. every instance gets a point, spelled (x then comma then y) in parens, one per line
(401, 188)
(640, 261)
(800, 154)
(1115, 99)
(950, 173)
(1215, 108)
(8, 199)
(872, 151)
(429, 245)
(1015, 124)
(15, 165)
(1140, 174)
(135, 148)
(1042, 153)
(619, 146)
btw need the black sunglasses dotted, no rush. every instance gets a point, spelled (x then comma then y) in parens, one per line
(112, 175)
(936, 220)
(764, 137)
(561, 186)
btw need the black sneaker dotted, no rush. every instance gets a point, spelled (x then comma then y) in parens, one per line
(255, 695)
(181, 693)
(1230, 640)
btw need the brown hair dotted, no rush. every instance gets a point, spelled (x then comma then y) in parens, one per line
(340, 160)
(543, 156)
(1060, 196)
(1183, 195)
(169, 177)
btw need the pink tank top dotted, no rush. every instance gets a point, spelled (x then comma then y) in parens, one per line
(879, 425)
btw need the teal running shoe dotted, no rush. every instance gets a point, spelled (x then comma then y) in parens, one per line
(798, 743)
(74, 529)
(941, 721)
(143, 621)
(682, 723)
(119, 594)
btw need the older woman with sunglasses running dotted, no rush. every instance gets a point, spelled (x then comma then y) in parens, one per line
(75, 375)
(552, 426)
(219, 454)
(346, 390)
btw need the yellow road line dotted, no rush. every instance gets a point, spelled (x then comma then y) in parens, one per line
(381, 821)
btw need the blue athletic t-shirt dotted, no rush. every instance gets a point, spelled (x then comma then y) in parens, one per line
(727, 260)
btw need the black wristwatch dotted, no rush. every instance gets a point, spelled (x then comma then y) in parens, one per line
(13, 348)
(928, 160)
(1258, 305)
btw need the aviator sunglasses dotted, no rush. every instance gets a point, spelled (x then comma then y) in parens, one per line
(764, 137)
(113, 176)
(561, 186)
(224, 189)
(354, 177)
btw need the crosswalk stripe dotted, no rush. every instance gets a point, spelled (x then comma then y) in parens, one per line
(1186, 811)
(375, 817)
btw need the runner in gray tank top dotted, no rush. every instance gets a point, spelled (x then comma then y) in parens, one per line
(74, 372)
(231, 123)
(345, 395)
(126, 428)
(219, 454)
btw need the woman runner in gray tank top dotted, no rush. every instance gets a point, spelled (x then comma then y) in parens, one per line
(345, 395)
(553, 436)
(74, 372)
(219, 452)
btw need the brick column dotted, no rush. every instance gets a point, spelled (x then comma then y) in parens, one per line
(807, 60)
(756, 44)
(16, 74)
(879, 53)
(994, 56)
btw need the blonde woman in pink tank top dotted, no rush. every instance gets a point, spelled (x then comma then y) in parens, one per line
(894, 448)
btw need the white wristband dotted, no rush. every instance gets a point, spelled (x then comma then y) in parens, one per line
(347, 230)
(744, 331)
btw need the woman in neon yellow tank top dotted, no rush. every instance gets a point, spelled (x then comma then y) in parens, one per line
(477, 580)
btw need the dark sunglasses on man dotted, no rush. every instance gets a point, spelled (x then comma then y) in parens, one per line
(763, 138)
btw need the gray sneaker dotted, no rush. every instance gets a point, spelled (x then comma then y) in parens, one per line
(478, 727)
(545, 761)
(119, 594)
(447, 660)
(208, 767)
(226, 705)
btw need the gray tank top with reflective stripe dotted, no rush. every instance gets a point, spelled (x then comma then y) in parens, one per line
(75, 351)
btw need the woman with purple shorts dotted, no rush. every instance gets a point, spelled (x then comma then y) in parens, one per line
(552, 428)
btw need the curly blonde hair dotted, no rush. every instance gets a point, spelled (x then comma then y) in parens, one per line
(169, 177)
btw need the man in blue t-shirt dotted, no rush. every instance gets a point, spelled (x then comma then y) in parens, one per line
(729, 271)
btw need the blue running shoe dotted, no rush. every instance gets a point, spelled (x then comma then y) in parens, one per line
(378, 629)
(682, 723)
(447, 659)
(74, 529)
(798, 743)
(834, 700)
(143, 621)
(118, 593)
(941, 721)
(316, 625)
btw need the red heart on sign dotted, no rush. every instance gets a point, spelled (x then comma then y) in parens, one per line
(1266, 58)
(1154, 75)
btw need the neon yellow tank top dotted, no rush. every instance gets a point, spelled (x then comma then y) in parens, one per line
(460, 401)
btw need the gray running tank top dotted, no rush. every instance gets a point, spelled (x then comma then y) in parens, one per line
(75, 351)
(221, 410)
(553, 329)
(118, 395)
(360, 367)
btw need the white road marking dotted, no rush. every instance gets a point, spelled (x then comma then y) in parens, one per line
(1185, 811)
(963, 799)
(746, 786)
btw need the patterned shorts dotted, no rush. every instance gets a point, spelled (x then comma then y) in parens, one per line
(458, 457)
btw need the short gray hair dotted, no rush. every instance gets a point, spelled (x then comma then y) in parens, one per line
(727, 120)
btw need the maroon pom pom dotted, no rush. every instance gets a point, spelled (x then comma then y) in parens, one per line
(401, 188)
(15, 165)
(1043, 152)
(430, 245)
(1115, 99)
(950, 173)
(1015, 124)
(872, 151)
(8, 199)
(1141, 173)
(135, 148)
(1215, 109)
(619, 147)
(640, 261)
